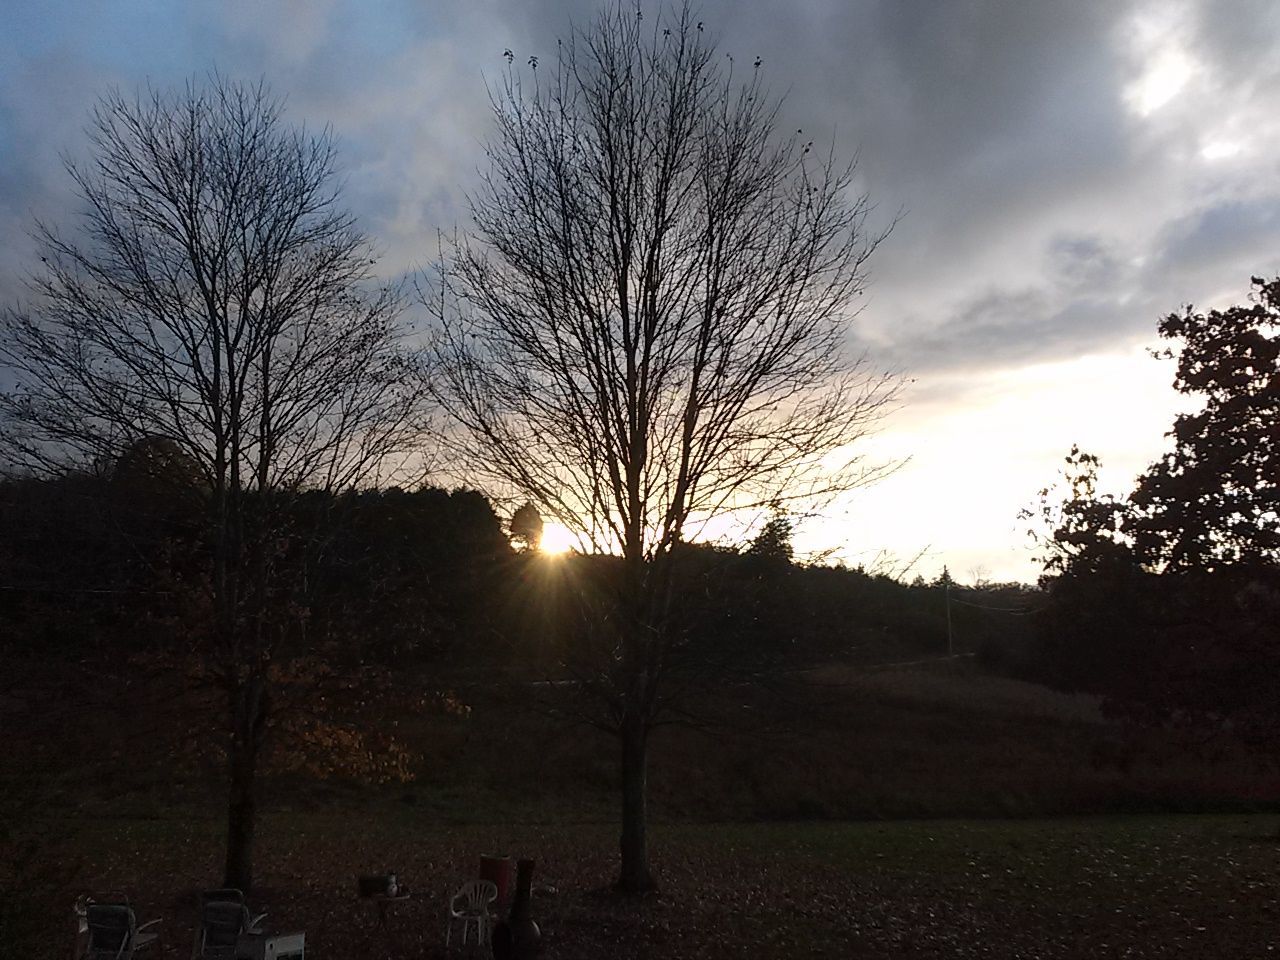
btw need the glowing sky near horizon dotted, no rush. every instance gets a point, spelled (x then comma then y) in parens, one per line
(1067, 173)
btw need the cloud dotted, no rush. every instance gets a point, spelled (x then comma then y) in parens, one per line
(1239, 38)
(1222, 234)
(1002, 329)
(1084, 262)
(1069, 171)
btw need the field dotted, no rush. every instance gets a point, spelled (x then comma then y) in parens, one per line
(932, 811)
(1142, 886)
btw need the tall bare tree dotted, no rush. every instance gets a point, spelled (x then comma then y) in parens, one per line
(648, 327)
(216, 300)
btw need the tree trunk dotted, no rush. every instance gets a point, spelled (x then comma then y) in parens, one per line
(249, 722)
(635, 876)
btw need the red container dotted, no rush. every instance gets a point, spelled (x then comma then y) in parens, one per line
(501, 872)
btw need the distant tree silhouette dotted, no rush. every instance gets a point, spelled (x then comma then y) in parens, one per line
(159, 466)
(649, 327)
(1094, 629)
(406, 577)
(526, 526)
(212, 317)
(773, 542)
(1075, 528)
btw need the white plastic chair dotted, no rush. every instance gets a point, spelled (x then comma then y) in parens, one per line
(471, 905)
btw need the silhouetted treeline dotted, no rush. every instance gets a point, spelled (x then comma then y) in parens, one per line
(374, 576)
(812, 614)
(1194, 644)
(429, 576)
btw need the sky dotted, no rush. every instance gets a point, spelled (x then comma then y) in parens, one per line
(1064, 174)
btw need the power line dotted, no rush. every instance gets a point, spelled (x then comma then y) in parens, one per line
(14, 588)
(1015, 611)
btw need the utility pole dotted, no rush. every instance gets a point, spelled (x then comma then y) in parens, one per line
(947, 588)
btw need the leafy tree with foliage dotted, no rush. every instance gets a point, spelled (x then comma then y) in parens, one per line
(1213, 501)
(1093, 629)
(1082, 531)
(1170, 595)
(1206, 516)
(526, 526)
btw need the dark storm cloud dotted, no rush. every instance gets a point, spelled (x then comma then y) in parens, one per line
(962, 112)
(1220, 234)
(1044, 215)
(1084, 262)
(1240, 38)
(1084, 305)
(978, 119)
(1012, 328)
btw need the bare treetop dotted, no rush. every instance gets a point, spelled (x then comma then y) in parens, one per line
(214, 295)
(650, 323)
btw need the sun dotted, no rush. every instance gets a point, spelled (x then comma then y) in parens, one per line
(556, 540)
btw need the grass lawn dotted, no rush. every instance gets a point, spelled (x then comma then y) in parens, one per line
(1139, 886)
(100, 807)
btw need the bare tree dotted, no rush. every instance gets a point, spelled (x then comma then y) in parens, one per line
(214, 298)
(648, 328)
